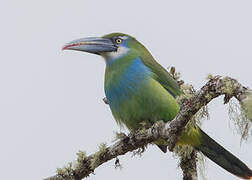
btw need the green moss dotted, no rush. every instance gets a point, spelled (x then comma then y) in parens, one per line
(183, 151)
(119, 136)
(202, 114)
(81, 157)
(102, 148)
(65, 172)
(96, 160)
(188, 92)
(229, 86)
(210, 77)
(201, 165)
(208, 97)
(144, 127)
(238, 115)
(246, 105)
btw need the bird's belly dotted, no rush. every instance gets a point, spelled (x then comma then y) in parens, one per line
(145, 103)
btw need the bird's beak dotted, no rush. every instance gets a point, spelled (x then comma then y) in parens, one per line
(95, 45)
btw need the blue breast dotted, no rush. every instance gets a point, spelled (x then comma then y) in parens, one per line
(128, 84)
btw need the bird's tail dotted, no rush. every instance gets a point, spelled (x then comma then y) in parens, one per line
(215, 152)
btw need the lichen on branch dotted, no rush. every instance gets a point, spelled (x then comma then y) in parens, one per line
(171, 132)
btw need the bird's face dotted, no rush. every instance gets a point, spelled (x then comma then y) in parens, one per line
(111, 46)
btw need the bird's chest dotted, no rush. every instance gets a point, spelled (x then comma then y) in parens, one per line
(125, 84)
(125, 91)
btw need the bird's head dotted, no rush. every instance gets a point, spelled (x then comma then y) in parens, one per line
(111, 46)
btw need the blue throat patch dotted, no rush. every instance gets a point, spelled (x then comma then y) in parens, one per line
(130, 81)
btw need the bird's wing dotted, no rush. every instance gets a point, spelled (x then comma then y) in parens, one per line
(162, 76)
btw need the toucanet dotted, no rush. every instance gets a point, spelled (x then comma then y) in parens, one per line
(139, 90)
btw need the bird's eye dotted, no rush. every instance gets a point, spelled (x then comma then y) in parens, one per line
(118, 41)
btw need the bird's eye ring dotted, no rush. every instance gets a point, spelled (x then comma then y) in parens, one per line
(118, 41)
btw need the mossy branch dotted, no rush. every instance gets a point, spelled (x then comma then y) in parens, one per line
(171, 132)
(188, 164)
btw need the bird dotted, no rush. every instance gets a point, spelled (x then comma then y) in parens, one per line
(139, 90)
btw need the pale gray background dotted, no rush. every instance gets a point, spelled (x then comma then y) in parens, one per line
(51, 101)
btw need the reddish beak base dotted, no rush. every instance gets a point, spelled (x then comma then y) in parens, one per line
(68, 46)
